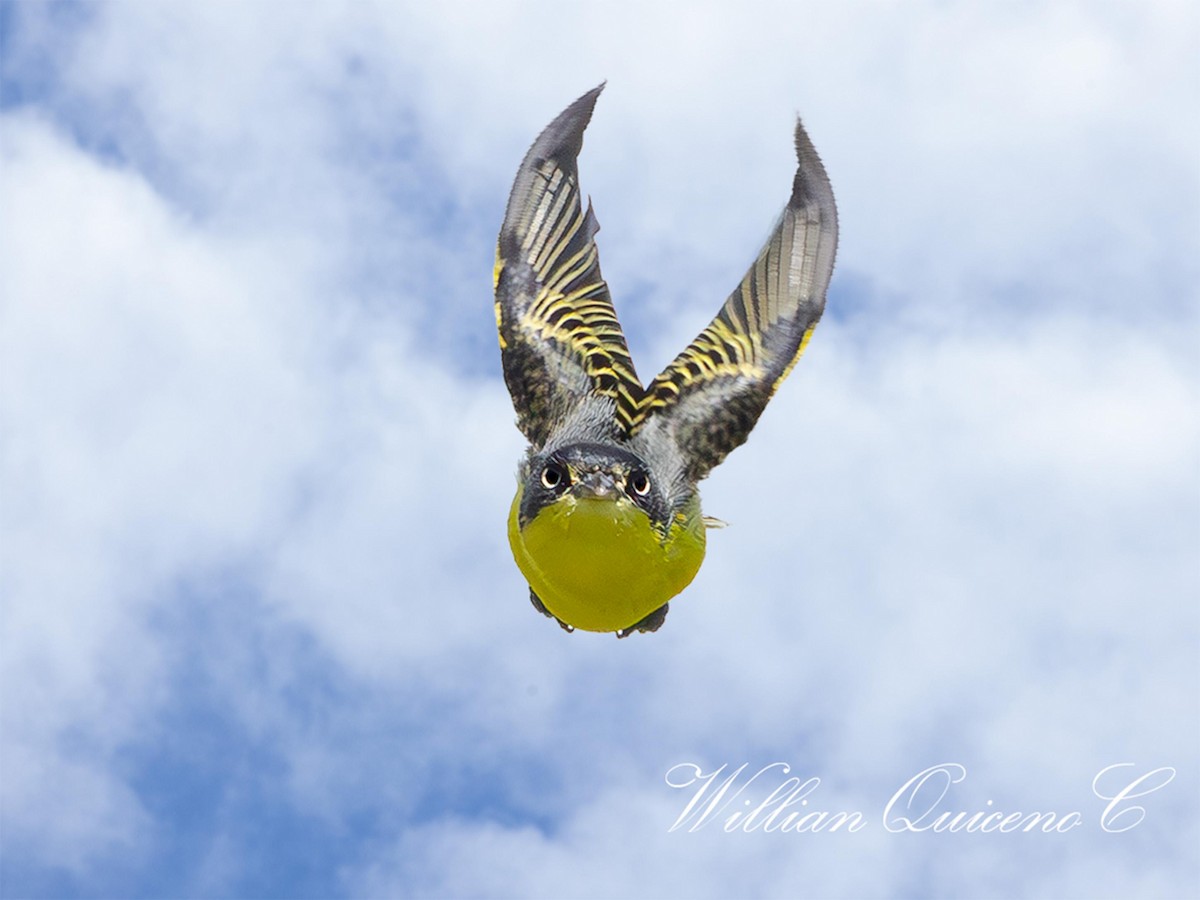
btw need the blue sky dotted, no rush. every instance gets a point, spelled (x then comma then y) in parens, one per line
(262, 635)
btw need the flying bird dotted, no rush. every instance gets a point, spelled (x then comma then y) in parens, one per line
(606, 524)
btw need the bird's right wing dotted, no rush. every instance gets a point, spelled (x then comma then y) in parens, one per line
(559, 335)
(711, 395)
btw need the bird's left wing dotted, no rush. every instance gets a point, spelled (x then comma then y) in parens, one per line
(559, 335)
(711, 395)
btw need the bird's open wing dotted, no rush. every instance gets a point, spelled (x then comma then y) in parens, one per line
(559, 335)
(712, 394)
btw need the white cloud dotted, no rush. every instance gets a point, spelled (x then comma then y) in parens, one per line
(153, 415)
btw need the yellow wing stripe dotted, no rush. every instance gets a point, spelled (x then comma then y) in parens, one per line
(553, 242)
(787, 370)
(535, 240)
(572, 307)
(725, 349)
(497, 269)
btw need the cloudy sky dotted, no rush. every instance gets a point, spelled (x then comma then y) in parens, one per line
(262, 634)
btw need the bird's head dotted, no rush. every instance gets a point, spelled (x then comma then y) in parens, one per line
(592, 473)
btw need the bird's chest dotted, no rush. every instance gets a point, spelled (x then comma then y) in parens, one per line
(600, 565)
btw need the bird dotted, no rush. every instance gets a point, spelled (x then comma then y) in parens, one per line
(606, 524)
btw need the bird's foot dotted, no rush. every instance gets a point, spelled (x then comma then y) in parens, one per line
(541, 607)
(652, 622)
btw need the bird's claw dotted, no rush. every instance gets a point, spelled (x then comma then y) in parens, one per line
(652, 622)
(541, 607)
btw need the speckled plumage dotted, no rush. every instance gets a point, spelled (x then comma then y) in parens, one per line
(566, 362)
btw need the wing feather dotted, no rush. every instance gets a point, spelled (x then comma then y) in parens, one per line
(559, 335)
(711, 395)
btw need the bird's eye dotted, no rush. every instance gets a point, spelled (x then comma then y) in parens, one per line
(640, 484)
(553, 476)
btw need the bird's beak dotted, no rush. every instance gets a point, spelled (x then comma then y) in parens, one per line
(598, 486)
